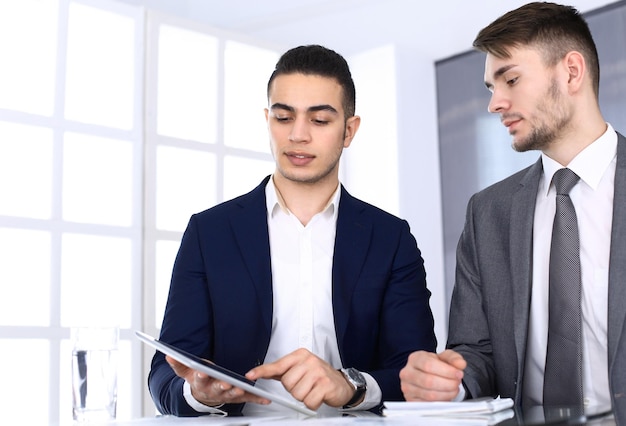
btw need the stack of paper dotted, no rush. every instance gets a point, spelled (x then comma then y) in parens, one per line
(483, 411)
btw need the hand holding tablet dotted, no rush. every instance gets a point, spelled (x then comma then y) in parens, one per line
(221, 373)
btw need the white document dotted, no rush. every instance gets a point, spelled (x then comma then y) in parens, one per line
(482, 411)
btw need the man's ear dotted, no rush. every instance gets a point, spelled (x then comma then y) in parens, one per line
(352, 125)
(576, 69)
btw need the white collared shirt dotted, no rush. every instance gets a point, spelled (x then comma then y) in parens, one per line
(592, 197)
(302, 263)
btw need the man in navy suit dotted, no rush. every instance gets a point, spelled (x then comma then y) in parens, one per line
(298, 285)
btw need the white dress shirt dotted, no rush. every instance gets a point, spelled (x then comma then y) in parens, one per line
(302, 315)
(592, 197)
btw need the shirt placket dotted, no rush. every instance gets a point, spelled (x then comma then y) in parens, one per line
(306, 293)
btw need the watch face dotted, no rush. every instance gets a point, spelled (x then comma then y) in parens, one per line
(355, 377)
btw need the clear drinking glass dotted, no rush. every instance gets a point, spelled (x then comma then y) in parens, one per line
(94, 373)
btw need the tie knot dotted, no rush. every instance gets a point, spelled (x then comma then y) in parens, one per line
(564, 180)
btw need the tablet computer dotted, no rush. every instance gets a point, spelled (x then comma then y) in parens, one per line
(221, 373)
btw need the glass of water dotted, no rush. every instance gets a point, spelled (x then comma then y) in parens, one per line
(94, 373)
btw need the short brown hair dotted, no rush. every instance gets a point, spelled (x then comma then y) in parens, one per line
(553, 29)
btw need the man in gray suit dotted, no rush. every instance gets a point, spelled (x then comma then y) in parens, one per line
(542, 70)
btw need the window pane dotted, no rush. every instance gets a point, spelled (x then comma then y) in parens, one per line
(165, 255)
(245, 95)
(95, 280)
(18, 357)
(24, 296)
(25, 170)
(97, 180)
(241, 175)
(124, 388)
(100, 67)
(187, 85)
(28, 38)
(185, 184)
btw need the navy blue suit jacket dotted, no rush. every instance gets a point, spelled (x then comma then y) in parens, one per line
(220, 300)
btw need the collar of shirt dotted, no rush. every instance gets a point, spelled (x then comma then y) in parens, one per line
(590, 164)
(276, 203)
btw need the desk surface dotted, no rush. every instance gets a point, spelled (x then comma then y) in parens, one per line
(535, 417)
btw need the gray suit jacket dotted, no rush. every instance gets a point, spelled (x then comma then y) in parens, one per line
(491, 299)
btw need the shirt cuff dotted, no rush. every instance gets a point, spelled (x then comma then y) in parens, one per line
(373, 395)
(197, 405)
(461, 395)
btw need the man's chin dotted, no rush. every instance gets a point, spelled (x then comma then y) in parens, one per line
(519, 143)
(307, 177)
(517, 147)
(301, 178)
(525, 145)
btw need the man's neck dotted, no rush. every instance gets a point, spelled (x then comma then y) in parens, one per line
(575, 139)
(305, 200)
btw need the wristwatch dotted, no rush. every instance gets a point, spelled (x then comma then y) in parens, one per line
(356, 379)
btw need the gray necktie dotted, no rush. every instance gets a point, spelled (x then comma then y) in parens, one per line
(563, 374)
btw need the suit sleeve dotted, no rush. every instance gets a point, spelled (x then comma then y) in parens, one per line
(188, 298)
(187, 323)
(468, 331)
(390, 314)
(407, 323)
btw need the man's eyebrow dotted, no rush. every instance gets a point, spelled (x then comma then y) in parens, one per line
(314, 108)
(498, 73)
(328, 108)
(282, 106)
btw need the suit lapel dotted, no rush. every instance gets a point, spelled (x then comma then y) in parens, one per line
(249, 225)
(520, 241)
(351, 246)
(617, 264)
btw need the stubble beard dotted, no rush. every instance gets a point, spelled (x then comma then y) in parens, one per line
(556, 118)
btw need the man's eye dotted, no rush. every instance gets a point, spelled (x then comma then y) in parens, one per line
(512, 81)
(282, 119)
(320, 122)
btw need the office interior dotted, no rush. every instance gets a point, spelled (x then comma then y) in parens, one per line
(121, 118)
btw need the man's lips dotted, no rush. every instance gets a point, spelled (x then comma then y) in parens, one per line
(510, 123)
(299, 158)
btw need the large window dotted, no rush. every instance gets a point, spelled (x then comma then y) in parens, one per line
(117, 124)
(98, 177)
(70, 191)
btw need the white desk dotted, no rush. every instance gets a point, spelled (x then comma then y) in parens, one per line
(359, 418)
(299, 420)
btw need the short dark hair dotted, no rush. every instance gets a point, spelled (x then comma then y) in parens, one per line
(321, 61)
(553, 28)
